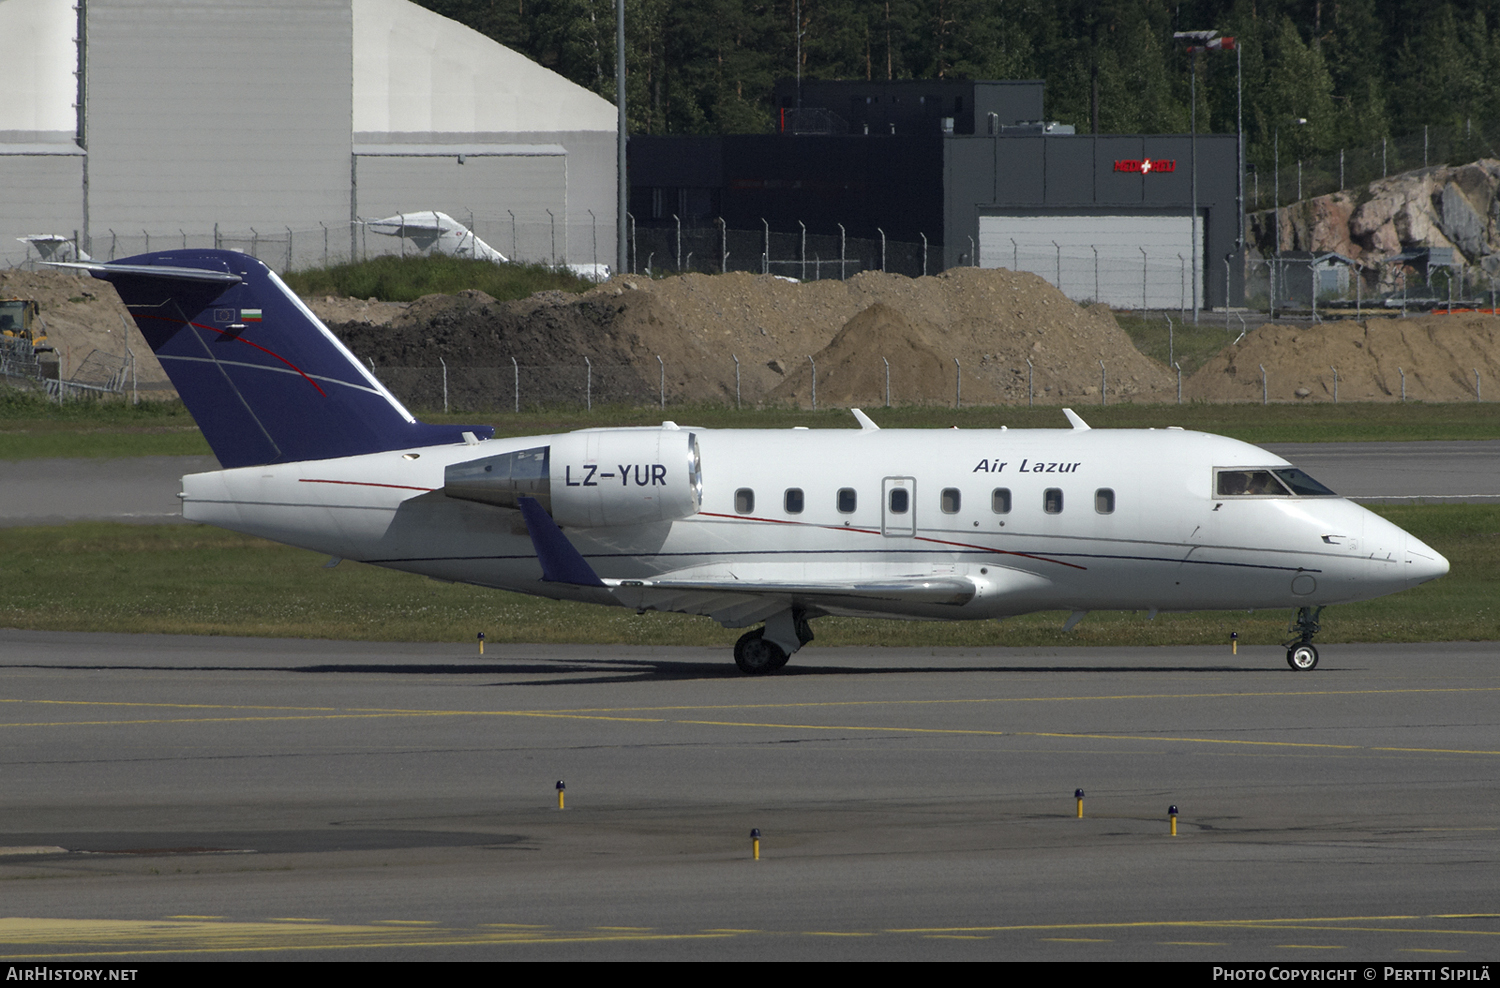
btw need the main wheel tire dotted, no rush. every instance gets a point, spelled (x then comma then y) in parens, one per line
(1302, 658)
(755, 656)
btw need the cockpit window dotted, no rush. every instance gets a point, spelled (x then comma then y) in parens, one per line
(1249, 483)
(1302, 485)
(1268, 482)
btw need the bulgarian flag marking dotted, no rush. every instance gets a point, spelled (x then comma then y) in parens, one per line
(249, 315)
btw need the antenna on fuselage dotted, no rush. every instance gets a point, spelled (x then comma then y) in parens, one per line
(866, 424)
(1075, 419)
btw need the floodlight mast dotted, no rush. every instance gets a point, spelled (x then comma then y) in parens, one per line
(622, 256)
(1198, 42)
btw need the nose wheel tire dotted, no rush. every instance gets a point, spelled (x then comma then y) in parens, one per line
(1302, 658)
(755, 656)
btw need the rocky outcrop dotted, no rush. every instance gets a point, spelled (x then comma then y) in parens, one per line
(1447, 206)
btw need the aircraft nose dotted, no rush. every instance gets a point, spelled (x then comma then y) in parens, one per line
(1423, 562)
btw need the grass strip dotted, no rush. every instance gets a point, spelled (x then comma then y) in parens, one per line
(406, 279)
(187, 579)
(32, 428)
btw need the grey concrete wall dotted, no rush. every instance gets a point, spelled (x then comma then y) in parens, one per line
(235, 112)
(39, 193)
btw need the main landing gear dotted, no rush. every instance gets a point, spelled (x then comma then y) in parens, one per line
(1301, 654)
(768, 649)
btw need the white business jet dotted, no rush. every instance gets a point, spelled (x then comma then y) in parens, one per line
(749, 527)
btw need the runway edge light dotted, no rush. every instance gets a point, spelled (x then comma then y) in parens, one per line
(1078, 795)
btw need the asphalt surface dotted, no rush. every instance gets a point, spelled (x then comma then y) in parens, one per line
(1402, 472)
(207, 798)
(144, 489)
(140, 489)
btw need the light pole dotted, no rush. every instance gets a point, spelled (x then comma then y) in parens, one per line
(623, 184)
(1201, 41)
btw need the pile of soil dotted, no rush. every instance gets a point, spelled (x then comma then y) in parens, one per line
(1438, 353)
(81, 314)
(990, 320)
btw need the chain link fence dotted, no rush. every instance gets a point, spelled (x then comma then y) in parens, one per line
(517, 386)
(1332, 286)
(1295, 177)
(653, 250)
(657, 250)
(526, 239)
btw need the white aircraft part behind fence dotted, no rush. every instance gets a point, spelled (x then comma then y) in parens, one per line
(438, 233)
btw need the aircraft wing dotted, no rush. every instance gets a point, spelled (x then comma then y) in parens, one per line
(737, 600)
(737, 603)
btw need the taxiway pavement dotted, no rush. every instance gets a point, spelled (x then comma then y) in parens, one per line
(235, 798)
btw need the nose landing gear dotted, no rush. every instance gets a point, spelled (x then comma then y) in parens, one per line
(1301, 654)
(767, 649)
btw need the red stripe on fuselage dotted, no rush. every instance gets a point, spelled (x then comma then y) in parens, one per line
(365, 483)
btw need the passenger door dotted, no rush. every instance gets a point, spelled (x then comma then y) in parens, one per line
(898, 507)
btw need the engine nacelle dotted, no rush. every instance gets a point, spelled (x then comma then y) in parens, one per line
(592, 479)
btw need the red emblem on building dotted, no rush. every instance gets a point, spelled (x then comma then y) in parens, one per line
(1146, 165)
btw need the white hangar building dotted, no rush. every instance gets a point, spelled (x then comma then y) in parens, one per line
(275, 126)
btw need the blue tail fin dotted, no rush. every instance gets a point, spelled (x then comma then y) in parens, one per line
(264, 378)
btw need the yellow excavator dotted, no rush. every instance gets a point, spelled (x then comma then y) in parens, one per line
(23, 338)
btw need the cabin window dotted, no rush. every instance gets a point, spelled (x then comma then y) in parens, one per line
(744, 500)
(1052, 501)
(951, 500)
(1000, 500)
(1104, 501)
(793, 500)
(846, 500)
(900, 501)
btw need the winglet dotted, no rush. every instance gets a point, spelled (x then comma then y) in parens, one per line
(561, 562)
(866, 424)
(1075, 419)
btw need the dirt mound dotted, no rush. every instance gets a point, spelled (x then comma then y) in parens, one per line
(847, 375)
(1438, 353)
(605, 344)
(992, 321)
(81, 315)
(333, 309)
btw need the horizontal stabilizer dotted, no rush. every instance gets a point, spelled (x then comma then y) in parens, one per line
(264, 379)
(108, 272)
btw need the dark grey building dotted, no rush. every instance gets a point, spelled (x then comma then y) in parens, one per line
(972, 166)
